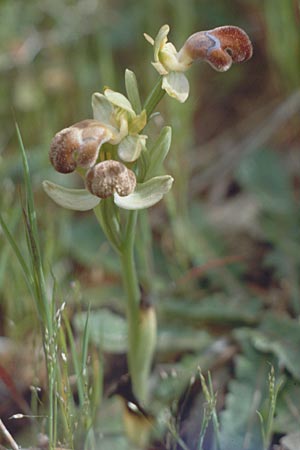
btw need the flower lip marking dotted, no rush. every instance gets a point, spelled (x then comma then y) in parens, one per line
(216, 41)
(78, 145)
(109, 177)
(220, 47)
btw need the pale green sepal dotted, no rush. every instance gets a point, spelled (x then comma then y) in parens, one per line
(118, 100)
(146, 194)
(133, 90)
(130, 147)
(75, 199)
(160, 41)
(176, 85)
(159, 151)
(103, 110)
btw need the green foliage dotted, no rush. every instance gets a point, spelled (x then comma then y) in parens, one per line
(239, 421)
(284, 47)
(287, 417)
(280, 336)
(263, 174)
(213, 309)
(54, 56)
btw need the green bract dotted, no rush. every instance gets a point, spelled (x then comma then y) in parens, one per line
(116, 112)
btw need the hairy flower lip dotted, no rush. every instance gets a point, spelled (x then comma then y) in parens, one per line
(78, 145)
(109, 177)
(219, 47)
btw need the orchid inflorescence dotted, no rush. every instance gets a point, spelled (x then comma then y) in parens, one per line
(110, 151)
(122, 169)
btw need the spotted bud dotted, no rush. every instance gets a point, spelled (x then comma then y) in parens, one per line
(220, 47)
(110, 177)
(78, 145)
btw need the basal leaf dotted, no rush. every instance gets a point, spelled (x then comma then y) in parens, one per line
(264, 174)
(107, 330)
(287, 419)
(217, 309)
(280, 336)
(240, 425)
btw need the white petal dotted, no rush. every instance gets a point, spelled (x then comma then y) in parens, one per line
(76, 199)
(146, 194)
(176, 85)
(130, 148)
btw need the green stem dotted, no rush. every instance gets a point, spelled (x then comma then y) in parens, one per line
(131, 285)
(154, 97)
(108, 224)
(141, 329)
(141, 320)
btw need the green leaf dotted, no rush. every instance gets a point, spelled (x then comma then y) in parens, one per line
(146, 194)
(159, 151)
(263, 173)
(75, 199)
(288, 408)
(172, 339)
(133, 90)
(240, 424)
(176, 85)
(280, 336)
(106, 330)
(130, 148)
(215, 309)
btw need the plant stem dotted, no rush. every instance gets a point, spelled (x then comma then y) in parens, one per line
(141, 324)
(131, 285)
(154, 97)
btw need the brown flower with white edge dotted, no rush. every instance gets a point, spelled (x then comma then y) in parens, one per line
(110, 177)
(78, 145)
(220, 47)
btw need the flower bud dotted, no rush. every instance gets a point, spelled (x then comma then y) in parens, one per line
(108, 177)
(219, 47)
(78, 145)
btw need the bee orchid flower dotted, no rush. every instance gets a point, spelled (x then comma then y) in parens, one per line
(219, 47)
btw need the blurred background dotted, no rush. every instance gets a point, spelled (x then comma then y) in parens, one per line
(229, 234)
